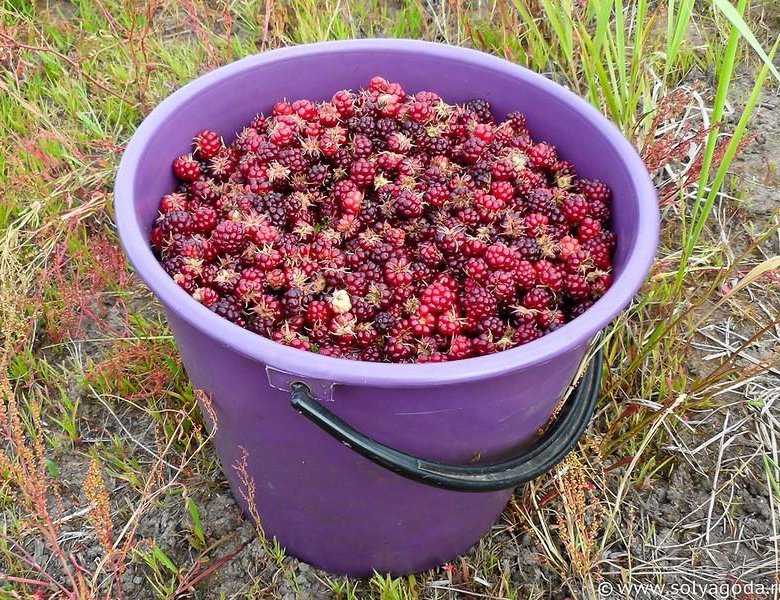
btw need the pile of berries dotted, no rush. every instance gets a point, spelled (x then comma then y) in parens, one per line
(384, 226)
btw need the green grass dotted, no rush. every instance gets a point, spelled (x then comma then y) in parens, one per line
(84, 344)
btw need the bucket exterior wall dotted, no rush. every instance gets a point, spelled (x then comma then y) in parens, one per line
(323, 502)
(334, 508)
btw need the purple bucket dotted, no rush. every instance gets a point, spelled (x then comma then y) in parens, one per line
(323, 501)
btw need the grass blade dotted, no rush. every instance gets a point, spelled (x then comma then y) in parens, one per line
(728, 157)
(735, 17)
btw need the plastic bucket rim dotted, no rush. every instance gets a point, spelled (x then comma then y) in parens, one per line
(342, 371)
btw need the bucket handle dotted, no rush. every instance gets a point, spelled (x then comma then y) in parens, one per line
(548, 451)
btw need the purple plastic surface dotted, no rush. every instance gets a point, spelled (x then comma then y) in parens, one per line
(324, 503)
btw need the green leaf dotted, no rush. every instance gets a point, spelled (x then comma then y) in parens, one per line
(160, 556)
(196, 523)
(733, 15)
(52, 468)
(731, 150)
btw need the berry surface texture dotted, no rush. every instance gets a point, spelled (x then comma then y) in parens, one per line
(387, 225)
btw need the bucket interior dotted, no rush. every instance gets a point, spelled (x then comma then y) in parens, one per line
(227, 105)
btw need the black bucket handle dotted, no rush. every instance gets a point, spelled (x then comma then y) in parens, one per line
(548, 451)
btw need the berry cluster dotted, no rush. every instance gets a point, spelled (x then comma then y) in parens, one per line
(383, 226)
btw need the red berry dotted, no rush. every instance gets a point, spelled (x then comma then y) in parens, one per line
(172, 202)
(564, 173)
(282, 108)
(449, 323)
(437, 194)
(330, 350)
(483, 344)
(598, 252)
(538, 299)
(503, 190)
(472, 149)
(601, 283)
(378, 84)
(419, 112)
(460, 348)
(208, 144)
(395, 236)
(484, 131)
(362, 147)
(264, 234)
(250, 285)
(398, 143)
(196, 247)
(500, 256)
(344, 102)
(371, 354)
(422, 322)
(536, 223)
(204, 219)
(305, 109)
(530, 180)
(318, 311)
(576, 287)
(527, 332)
(438, 297)
(228, 237)
(362, 172)
(228, 308)
(448, 281)
(397, 348)
(600, 210)
(365, 335)
(157, 237)
(205, 295)
(186, 279)
(351, 201)
(489, 202)
(567, 246)
(550, 319)
(224, 280)
(266, 307)
(494, 326)
(548, 275)
(408, 204)
(478, 303)
(355, 284)
(186, 168)
(594, 190)
(474, 247)
(578, 261)
(588, 229)
(179, 221)
(502, 170)
(327, 114)
(282, 134)
(517, 120)
(480, 108)
(525, 274)
(398, 272)
(430, 254)
(477, 269)
(578, 309)
(543, 156)
(502, 285)
(575, 208)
